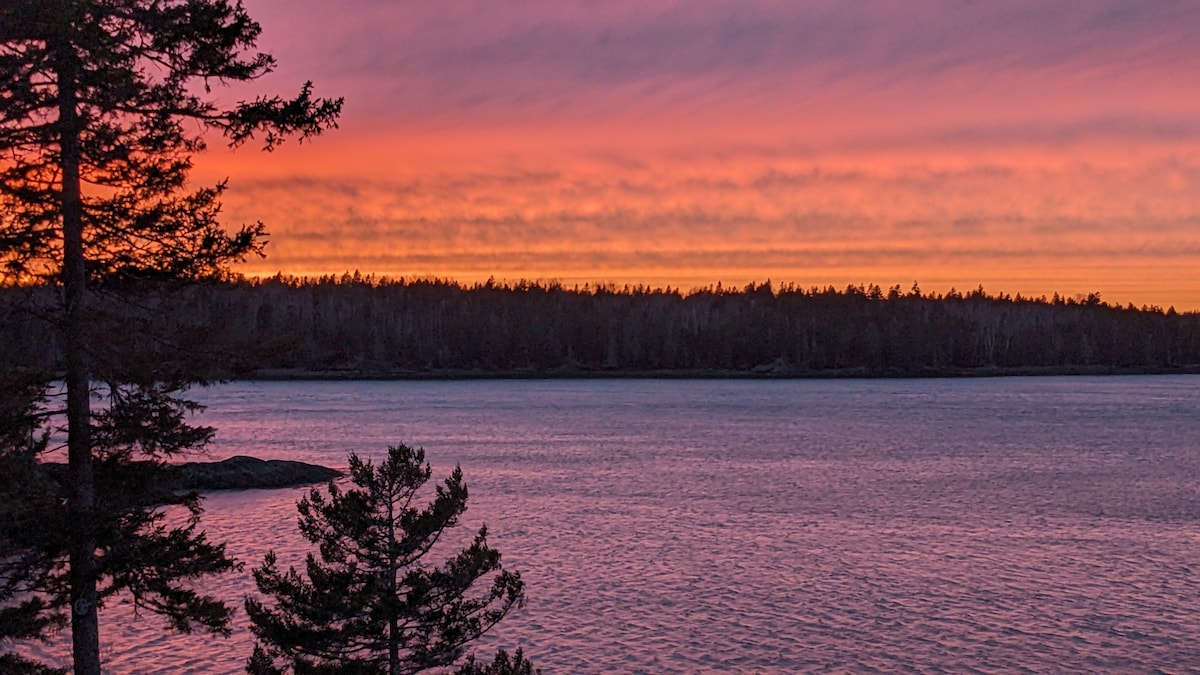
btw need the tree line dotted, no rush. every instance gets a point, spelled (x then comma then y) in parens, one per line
(369, 326)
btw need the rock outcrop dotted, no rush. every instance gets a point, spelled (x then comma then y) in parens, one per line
(235, 473)
(241, 472)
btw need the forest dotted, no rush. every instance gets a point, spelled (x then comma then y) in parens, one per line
(362, 326)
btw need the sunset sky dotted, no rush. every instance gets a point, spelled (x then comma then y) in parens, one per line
(1031, 147)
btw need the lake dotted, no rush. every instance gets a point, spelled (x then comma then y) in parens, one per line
(1043, 524)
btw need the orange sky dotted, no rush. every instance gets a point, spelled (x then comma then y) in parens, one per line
(1026, 148)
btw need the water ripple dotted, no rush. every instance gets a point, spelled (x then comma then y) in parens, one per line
(1042, 525)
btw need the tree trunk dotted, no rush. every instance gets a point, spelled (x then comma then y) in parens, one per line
(394, 567)
(85, 627)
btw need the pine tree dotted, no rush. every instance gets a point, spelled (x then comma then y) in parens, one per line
(102, 104)
(367, 601)
(23, 615)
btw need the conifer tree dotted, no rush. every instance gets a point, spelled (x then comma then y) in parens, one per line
(23, 615)
(102, 104)
(368, 602)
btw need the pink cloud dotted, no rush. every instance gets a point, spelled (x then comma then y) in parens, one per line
(930, 140)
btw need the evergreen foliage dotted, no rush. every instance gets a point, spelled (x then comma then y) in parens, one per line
(24, 569)
(366, 327)
(368, 601)
(502, 664)
(102, 103)
(140, 552)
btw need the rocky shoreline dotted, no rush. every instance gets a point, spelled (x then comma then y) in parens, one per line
(236, 473)
(244, 473)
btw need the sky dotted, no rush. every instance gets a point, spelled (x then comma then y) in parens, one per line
(1028, 147)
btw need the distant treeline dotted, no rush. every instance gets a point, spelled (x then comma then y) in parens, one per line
(362, 326)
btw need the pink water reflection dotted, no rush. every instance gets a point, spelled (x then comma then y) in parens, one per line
(1043, 524)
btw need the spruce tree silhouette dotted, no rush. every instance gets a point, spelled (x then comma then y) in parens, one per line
(367, 601)
(104, 102)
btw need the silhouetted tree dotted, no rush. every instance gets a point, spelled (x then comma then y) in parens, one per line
(503, 664)
(368, 602)
(419, 327)
(103, 104)
(23, 613)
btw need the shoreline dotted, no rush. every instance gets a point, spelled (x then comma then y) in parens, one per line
(239, 472)
(770, 372)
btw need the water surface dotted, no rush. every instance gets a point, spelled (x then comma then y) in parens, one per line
(1043, 524)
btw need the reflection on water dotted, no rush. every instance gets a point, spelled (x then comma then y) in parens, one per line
(683, 526)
